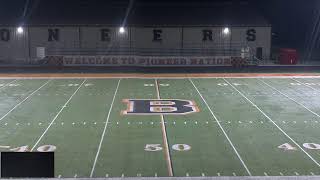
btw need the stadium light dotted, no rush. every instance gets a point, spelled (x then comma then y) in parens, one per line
(121, 30)
(226, 31)
(20, 30)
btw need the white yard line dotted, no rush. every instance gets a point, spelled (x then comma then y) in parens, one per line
(292, 140)
(8, 83)
(164, 136)
(24, 100)
(290, 98)
(57, 115)
(105, 129)
(224, 132)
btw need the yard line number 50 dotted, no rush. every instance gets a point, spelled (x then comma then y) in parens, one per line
(158, 147)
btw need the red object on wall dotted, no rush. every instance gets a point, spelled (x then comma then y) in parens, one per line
(288, 56)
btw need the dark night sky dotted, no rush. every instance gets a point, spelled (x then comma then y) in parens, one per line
(291, 19)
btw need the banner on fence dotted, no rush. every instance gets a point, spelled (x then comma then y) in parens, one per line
(146, 61)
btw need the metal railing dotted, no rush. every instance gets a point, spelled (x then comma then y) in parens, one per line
(193, 50)
(145, 52)
(131, 48)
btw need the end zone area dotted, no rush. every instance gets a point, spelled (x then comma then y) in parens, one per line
(189, 125)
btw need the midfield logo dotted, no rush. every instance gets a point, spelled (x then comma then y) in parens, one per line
(159, 106)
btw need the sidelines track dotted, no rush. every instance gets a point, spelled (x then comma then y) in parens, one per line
(160, 75)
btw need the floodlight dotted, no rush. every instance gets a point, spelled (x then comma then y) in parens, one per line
(20, 30)
(121, 30)
(226, 31)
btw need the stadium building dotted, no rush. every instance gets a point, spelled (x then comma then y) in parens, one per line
(189, 34)
(74, 104)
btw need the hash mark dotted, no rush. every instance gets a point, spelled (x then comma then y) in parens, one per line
(155, 175)
(312, 173)
(281, 174)
(234, 174)
(148, 85)
(139, 175)
(122, 175)
(187, 174)
(218, 174)
(107, 175)
(202, 174)
(59, 176)
(265, 174)
(296, 173)
(75, 176)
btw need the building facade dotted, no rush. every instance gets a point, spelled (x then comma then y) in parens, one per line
(194, 30)
(104, 40)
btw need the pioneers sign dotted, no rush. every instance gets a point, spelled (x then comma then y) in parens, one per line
(56, 34)
(146, 61)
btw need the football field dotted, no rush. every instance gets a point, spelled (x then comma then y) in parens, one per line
(129, 127)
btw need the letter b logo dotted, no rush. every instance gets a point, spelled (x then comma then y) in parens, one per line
(163, 106)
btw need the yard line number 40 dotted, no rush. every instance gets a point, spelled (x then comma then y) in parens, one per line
(289, 147)
(44, 148)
